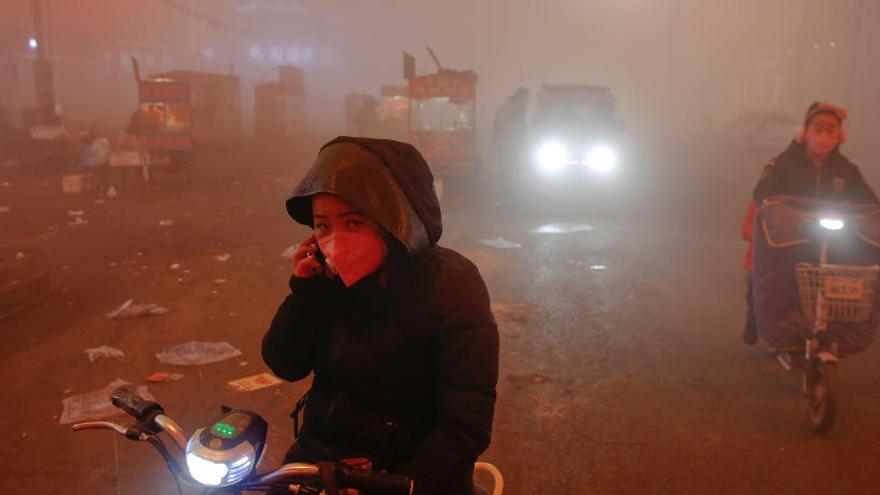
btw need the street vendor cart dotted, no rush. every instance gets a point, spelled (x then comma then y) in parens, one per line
(443, 121)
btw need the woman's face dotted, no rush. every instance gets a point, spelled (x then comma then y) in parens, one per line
(823, 134)
(331, 214)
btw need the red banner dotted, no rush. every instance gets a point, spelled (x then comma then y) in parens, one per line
(164, 92)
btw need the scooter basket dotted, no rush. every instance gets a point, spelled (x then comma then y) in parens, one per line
(848, 291)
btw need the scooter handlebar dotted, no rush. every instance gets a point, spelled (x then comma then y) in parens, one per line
(126, 399)
(373, 482)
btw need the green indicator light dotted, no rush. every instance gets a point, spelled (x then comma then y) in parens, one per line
(224, 430)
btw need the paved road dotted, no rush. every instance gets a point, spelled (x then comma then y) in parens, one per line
(622, 370)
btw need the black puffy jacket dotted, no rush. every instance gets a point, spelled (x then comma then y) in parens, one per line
(792, 174)
(406, 360)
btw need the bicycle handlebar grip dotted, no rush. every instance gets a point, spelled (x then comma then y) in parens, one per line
(373, 482)
(126, 399)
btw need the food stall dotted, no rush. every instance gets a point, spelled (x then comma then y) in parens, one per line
(443, 121)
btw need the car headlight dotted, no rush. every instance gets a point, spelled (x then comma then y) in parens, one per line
(602, 159)
(553, 156)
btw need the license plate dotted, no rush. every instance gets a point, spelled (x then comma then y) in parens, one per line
(844, 288)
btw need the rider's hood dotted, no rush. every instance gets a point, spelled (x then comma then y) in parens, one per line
(791, 220)
(388, 181)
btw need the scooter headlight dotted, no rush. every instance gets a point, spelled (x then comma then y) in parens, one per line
(228, 451)
(832, 223)
(205, 471)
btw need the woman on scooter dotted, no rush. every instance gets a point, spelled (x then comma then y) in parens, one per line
(397, 330)
(812, 166)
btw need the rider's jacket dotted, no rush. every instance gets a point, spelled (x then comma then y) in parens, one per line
(405, 361)
(792, 174)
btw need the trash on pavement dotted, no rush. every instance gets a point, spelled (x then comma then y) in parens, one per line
(164, 377)
(562, 228)
(223, 257)
(77, 221)
(194, 353)
(166, 223)
(112, 192)
(254, 382)
(128, 310)
(501, 243)
(220, 281)
(5, 209)
(20, 255)
(102, 352)
(75, 213)
(174, 266)
(96, 404)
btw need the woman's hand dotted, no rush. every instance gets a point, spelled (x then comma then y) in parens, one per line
(305, 264)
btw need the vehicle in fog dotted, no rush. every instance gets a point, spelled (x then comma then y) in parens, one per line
(575, 138)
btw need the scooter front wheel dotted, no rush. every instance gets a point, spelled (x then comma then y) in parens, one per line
(823, 391)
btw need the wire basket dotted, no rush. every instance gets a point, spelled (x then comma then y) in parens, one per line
(848, 291)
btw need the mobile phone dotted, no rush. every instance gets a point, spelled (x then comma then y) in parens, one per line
(319, 255)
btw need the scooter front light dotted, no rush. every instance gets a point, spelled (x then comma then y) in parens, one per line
(206, 472)
(833, 224)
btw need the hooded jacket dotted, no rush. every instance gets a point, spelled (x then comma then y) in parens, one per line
(405, 361)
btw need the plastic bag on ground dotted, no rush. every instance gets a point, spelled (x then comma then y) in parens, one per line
(96, 404)
(501, 243)
(194, 353)
(102, 352)
(130, 310)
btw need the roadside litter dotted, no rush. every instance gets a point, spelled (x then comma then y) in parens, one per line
(96, 404)
(563, 228)
(194, 353)
(77, 217)
(5, 209)
(20, 255)
(254, 382)
(103, 352)
(501, 243)
(166, 223)
(220, 281)
(223, 258)
(164, 377)
(129, 310)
